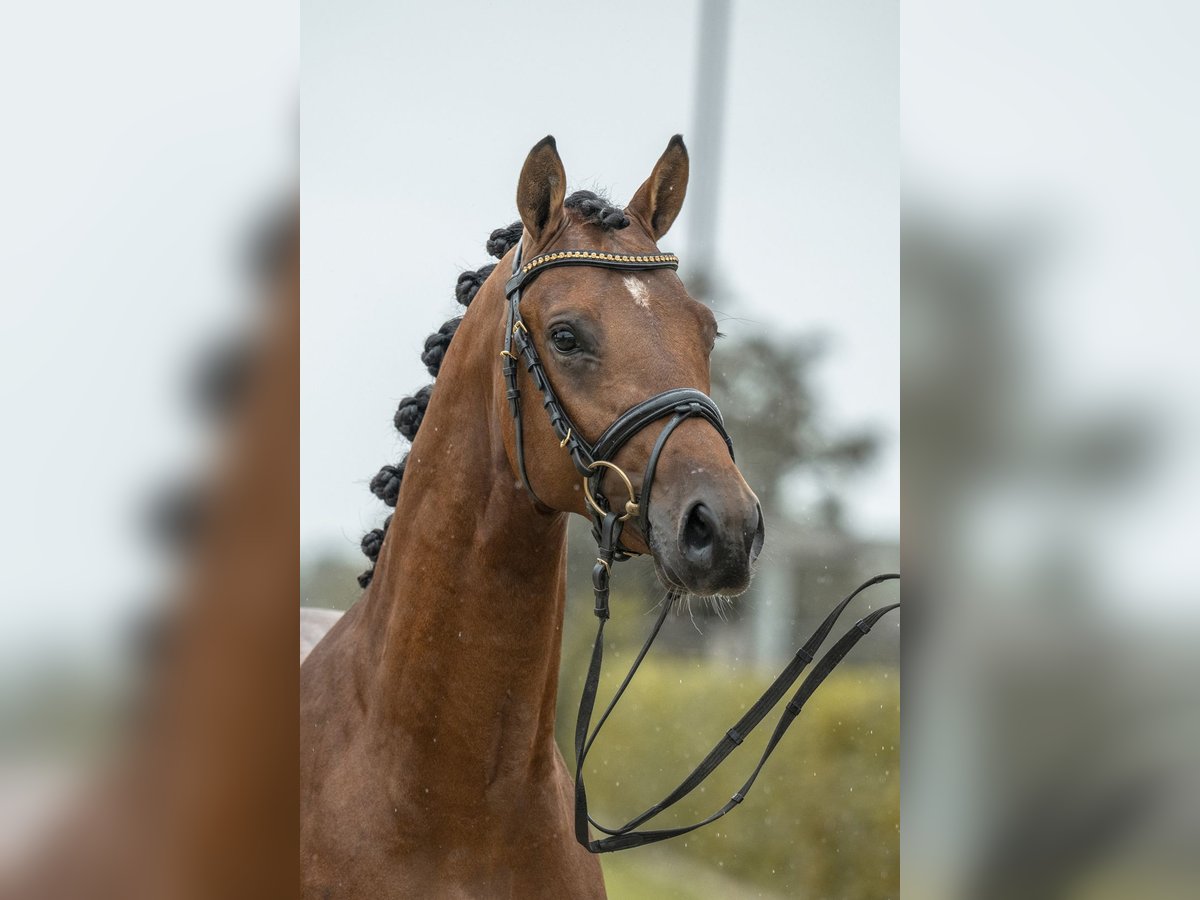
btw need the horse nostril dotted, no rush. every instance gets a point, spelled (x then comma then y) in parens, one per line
(699, 530)
(755, 535)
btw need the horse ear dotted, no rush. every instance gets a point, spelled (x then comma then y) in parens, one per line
(658, 201)
(541, 189)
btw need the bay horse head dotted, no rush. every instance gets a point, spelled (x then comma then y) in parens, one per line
(606, 328)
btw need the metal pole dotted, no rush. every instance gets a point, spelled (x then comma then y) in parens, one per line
(705, 145)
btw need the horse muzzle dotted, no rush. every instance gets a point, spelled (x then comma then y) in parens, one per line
(709, 541)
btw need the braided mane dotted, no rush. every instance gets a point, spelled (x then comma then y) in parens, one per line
(593, 209)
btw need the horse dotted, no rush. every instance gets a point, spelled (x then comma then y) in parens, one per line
(428, 760)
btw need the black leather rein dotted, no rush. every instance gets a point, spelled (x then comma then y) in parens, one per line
(593, 461)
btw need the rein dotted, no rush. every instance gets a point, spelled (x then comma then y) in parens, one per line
(593, 461)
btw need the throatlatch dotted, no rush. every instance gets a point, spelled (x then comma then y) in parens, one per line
(593, 461)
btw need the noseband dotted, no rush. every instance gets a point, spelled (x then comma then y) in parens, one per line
(593, 461)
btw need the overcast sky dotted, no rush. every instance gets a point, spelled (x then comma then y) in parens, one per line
(416, 119)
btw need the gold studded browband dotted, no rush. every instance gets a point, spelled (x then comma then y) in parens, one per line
(591, 255)
(626, 261)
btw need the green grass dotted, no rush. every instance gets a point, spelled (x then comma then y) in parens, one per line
(628, 878)
(822, 821)
(661, 874)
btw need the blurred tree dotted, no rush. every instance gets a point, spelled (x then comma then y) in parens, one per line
(764, 389)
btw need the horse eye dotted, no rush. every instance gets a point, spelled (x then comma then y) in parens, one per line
(564, 340)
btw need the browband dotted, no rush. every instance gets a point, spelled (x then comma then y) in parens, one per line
(630, 262)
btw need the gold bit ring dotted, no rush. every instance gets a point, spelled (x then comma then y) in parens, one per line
(631, 507)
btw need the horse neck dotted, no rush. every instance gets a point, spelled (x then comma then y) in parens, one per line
(464, 615)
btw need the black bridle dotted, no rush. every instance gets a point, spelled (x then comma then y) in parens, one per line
(593, 461)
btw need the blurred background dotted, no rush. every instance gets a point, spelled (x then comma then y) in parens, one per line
(415, 122)
(1051, 396)
(1050, 289)
(147, 235)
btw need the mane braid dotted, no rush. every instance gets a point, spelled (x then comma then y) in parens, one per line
(411, 413)
(502, 240)
(469, 283)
